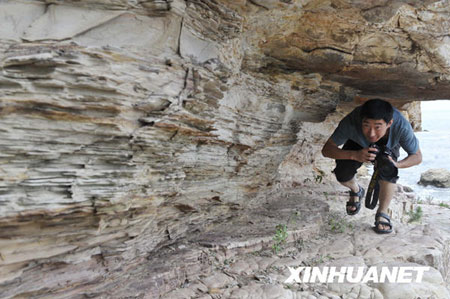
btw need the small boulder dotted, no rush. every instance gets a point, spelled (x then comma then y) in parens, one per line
(439, 177)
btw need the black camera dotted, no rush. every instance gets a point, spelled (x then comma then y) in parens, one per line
(382, 160)
(374, 145)
(381, 150)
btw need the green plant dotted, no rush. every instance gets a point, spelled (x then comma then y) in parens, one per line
(228, 262)
(415, 215)
(280, 237)
(429, 199)
(319, 177)
(281, 233)
(338, 224)
(444, 205)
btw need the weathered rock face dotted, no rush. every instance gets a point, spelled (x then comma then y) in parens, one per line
(436, 177)
(126, 126)
(380, 48)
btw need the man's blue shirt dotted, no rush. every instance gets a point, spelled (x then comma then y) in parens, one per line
(401, 132)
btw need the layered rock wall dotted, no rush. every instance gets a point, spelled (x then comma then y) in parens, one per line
(126, 126)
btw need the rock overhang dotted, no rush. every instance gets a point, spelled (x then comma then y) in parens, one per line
(401, 54)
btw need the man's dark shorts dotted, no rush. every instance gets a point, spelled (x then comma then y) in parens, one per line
(346, 169)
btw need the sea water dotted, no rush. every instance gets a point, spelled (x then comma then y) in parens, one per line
(435, 146)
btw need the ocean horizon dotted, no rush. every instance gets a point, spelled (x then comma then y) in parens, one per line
(434, 142)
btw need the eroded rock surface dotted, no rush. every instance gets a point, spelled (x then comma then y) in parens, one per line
(378, 47)
(439, 177)
(342, 241)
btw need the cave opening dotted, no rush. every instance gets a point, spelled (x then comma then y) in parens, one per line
(434, 141)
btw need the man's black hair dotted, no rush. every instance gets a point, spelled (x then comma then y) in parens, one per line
(377, 109)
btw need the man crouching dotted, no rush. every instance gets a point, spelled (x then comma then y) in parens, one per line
(374, 125)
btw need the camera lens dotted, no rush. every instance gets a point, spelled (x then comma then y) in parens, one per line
(373, 145)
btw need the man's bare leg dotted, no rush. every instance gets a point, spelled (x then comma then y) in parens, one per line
(387, 191)
(352, 185)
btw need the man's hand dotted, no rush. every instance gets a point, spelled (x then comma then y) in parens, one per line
(331, 150)
(410, 160)
(393, 161)
(367, 154)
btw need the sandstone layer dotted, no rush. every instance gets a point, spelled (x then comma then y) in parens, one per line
(128, 127)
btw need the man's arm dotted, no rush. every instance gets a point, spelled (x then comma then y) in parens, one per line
(331, 150)
(410, 160)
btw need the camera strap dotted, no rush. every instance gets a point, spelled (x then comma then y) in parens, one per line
(373, 191)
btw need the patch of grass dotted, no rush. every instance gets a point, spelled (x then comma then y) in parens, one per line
(318, 178)
(444, 205)
(338, 224)
(280, 237)
(281, 233)
(415, 215)
(228, 262)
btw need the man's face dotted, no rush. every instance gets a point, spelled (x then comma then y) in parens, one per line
(375, 129)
